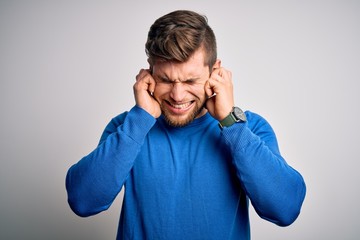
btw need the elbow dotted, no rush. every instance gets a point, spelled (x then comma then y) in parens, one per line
(291, 206)
(78, 201)
(73, 199)
(78, 206)
(82, 199)
(84, 208)
(286, 219)
(286, 213)
(283, 217)
(79, 209)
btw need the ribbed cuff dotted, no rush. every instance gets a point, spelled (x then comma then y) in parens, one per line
(137, 124)
(238, 136)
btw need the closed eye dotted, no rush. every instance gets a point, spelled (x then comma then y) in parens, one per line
(190, 81)
(164, 80)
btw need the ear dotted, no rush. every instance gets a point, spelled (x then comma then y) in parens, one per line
(217, 64)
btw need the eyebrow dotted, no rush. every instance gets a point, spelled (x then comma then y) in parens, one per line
(165, 78)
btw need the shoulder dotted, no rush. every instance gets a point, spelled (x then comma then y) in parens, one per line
(118, 120)
(136, 118)
(112, 125)
(261, 127)
(115, 122)
(256, 122)
(136, 113)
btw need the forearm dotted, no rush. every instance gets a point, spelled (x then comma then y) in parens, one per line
(275, 189)
(94, 182)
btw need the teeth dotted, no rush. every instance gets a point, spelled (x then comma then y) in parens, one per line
(181, 106)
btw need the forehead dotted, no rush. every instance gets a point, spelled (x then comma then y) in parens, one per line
(193, 67)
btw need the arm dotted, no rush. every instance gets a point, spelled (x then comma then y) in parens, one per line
(93, 183)
(275, 189)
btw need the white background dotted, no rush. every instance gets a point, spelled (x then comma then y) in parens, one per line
(67, 68)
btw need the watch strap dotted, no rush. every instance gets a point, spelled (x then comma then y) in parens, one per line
(228, 121)
(236, 115)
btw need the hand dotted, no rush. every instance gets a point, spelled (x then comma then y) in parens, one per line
(143, 90)
(219, 90)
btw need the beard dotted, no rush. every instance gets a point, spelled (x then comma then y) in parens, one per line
(180, 121)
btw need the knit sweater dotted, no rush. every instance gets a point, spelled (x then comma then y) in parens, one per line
(191, 182)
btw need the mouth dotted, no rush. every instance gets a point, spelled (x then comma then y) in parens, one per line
(179, 108)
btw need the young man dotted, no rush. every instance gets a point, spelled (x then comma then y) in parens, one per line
(189, 160)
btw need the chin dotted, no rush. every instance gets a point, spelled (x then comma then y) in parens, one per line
(181, 121)
(178, 122)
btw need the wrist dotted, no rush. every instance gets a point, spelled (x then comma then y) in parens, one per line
(236, 115)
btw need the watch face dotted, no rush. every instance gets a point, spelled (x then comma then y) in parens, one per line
(239, 114)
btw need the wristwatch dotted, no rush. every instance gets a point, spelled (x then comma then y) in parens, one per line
(236, 115)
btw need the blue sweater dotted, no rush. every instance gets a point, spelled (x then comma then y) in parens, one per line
(193, 182)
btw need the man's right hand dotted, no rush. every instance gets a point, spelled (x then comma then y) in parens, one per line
(143, 90)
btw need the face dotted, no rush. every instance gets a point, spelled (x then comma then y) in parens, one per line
(180, 88)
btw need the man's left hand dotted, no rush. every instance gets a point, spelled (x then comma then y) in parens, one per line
(219, 90)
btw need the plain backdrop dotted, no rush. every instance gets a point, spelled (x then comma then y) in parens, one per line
(67, 67)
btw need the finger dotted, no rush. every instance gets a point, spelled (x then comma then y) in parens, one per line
(148, 80)
(140, 75)
(209, 89)
(217, 75)
(151, 86)
(226, 74)
(221, 74)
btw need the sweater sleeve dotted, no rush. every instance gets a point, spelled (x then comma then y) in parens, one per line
(93, 183)
(274, 188)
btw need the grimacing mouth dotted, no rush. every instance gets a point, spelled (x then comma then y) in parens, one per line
(180, 105)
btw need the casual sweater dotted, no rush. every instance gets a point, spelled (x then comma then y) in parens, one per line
(191, 182)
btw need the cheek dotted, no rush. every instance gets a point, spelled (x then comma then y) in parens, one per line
(160, 92)
(198, 91)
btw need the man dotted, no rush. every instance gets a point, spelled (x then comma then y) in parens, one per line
(189, 160)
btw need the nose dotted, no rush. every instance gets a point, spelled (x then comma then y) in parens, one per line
(178, 92)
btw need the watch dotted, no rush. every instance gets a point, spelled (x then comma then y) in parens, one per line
(236, 115)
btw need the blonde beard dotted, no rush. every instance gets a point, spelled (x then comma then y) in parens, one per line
(174, 122)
